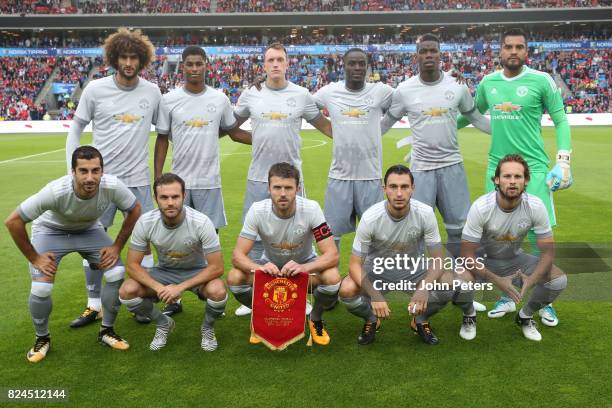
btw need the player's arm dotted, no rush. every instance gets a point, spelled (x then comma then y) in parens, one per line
(214, 270)
(161, 151)
(479, 120)
(327, 259)
(110, 255)
(46, 262)
(238, 135)
(73, 140)
(241, 260)
(560, 177)
(323, 125)
(358, 275)
(475, 269)
(544, 265)
(481, 104)
(137, 272)
(395, 112)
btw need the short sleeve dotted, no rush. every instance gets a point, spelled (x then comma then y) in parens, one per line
(250, 229)
(158, 99)
(209, 238)
(551, 94)
(472, 231)
(386, 97)
(85, 109)
(242, 106)
(466, 103)
(123, 198)
(318, 225)
(363, 239)
(164, 121)
(431, 232)
(397, 110)
(228, 120)
(139, 240)
(311, 110)
(541, 222)
(34, 206)
(319, 97)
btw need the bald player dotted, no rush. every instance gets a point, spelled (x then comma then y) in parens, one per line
(122, 108)
(355, 108)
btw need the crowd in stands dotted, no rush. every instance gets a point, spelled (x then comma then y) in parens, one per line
(267, 6)
(586, 74)
(21, 79)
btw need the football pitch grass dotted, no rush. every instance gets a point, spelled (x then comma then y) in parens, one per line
(499, 368)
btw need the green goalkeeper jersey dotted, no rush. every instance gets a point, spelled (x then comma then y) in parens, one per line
(516, 106)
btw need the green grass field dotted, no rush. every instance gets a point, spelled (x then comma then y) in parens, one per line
(498, 368)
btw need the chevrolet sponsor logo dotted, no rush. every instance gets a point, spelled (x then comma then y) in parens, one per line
(196, 123)
(506, 238)
(127, 118)
(507, 107)
(435, 112)
(354, 113)
(286, 246)
(275, 115)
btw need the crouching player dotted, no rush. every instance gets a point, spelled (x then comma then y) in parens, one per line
(395, 231)
(189, 257)
(65, 214)
(287, 224)
(500, 221)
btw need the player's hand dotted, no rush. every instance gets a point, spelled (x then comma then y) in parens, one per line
(46, 264)
(560, 177)
(257, 82)
(418, 302)
(506, 286)
(459, 78)
(108, 257)
(292, 268)
(381, 309)
(170, 294)
(271, 269)
(528, 283)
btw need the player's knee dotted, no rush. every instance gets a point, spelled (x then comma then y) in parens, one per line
(114, 274)
(41, 289)
(129, 289)
(236, 277)
(557, 282)
(331, 277)
(215, 290)
(348, 288)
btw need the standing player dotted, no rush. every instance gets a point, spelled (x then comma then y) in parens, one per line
(193, 116)
(355, 109)
(121, 108)
(276, 113)
(398, 227)
(65, 214)
(287, 224)
(516, 98)
(499, 221)
(189, 256)
(432, 100)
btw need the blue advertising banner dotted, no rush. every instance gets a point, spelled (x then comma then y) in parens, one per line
(62, 88)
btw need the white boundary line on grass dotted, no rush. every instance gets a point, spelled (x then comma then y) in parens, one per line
(30, 156)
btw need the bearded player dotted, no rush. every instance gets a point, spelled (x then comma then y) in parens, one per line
(499, 221)
(516, 98)
(288, 224)
(122, 108)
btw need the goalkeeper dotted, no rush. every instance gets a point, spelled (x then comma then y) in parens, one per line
(516, 98)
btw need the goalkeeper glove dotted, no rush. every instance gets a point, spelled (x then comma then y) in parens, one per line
(560, 177)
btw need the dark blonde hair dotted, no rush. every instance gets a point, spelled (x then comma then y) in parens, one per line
(276, 46)
(125, 40)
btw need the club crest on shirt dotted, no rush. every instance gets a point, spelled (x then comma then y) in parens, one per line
(127, 118)
(144, 104)
(368, 100)
(433, 112)
(275, 115)
(354, 113)
(291, 102)
(196, 123)
(211, 108)
(523, 224)
(522, 91)
(449, 95)
(299, 231)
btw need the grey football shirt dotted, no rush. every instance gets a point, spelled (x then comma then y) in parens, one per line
(355, 118)
(286, 239)
(122, 120)
(184, 246)
(276, 119)
(58, 207)
(379, 235)
(193, 122)
(502, 232)
(432, 109)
